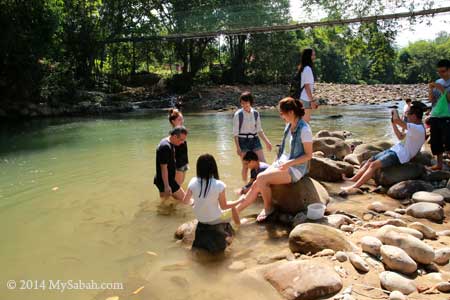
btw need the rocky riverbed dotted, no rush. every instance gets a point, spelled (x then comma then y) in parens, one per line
(223, 97)
(388, 240)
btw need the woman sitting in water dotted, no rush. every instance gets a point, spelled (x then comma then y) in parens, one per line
(181, 152)
(292, 160)
(211, 208)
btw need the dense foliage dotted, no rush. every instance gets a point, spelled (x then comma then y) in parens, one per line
(51, 48)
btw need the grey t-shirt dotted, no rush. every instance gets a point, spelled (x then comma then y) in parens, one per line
(437, 93)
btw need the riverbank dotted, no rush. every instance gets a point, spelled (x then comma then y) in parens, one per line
(223, 97)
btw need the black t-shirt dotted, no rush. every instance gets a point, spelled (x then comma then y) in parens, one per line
(165, 154)
(181, 155)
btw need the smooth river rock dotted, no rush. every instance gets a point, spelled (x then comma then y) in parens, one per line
(415, 248)
(326, 169)
(304, 280)
(427, 197)
(358, 262)
(378, 207)
(442, 256)
(397, 260)
(293, 198)
(371, 245)
(312, 238)
(444, 192)
(430, 211)
(428, 232)
(415, 233)
(405, 189)
(397, 295)
(392, 281)
(443, 287)
(331, 147)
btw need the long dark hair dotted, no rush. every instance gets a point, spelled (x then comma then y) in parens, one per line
(174, 114)
(290, 104)
(206, 169)
(306, 59)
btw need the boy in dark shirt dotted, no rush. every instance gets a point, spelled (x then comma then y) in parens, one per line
(255, 166)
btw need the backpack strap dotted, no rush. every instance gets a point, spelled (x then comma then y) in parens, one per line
(241, 118)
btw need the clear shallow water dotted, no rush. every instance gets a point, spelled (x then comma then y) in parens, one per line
(77, 202)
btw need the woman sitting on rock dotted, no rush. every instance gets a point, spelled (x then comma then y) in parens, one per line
(292, 160)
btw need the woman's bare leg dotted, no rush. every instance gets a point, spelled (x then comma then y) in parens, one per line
(260, 154)
(358, 174)
(263, 183)
(373, 167)
(235, 216)
(244, 168)
(250, 198)
(179, 177)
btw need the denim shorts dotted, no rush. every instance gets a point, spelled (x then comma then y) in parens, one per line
(250, 144)
(388, 158)
(306, 104)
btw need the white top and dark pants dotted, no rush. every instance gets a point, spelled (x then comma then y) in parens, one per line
(212, 228)
(246, 126)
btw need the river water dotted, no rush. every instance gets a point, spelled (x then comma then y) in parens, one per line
(77, 203)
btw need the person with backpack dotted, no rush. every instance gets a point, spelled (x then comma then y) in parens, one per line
(247, 130)
(302, 85)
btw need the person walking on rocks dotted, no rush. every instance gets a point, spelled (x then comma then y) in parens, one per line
(166, 164)
(440, 113)
(292, 161)
(305, 81)
(247, 130)
(410, 144)
(181, 151)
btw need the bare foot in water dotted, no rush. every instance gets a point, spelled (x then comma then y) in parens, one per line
(263, 215)
(350, 190)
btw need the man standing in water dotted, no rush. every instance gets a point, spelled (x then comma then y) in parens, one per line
(166, 164)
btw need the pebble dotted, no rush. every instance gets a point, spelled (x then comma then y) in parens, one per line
(396, 295)
(396, 282)
(358, 262)
(341, 256)
(378, 207)
(393, 214)
(443, 287)
(428, 197)
(237, 266)
(428, 232)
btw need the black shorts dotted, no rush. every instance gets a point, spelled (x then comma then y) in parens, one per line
(160, 185)
(439, 135)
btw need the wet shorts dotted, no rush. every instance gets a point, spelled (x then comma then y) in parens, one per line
(250, 144)
(388, 158)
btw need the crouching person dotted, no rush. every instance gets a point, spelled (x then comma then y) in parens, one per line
(410, 143)
(207, 195)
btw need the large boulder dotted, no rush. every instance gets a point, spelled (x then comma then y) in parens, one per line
(352, 159)
(295, 197)
(437, 176)
(406, 189)
(365, 151)
(331, 147)
(341, 134)
(395, 174)
(329, 170)
(303, 280)
(312, 238)
(424, 210)
(423, 158)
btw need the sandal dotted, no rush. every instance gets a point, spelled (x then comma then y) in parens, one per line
(263, 215)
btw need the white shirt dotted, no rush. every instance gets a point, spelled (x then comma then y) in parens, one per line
(407, 149)
(307, 78)
(306, 135)
(206, 209)
(248, 123)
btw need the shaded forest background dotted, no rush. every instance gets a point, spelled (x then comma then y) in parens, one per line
(50, 49)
